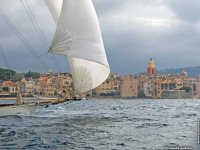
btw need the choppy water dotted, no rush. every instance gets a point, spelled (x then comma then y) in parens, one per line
(104, 125)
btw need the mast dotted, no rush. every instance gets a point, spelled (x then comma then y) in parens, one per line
(19, 94)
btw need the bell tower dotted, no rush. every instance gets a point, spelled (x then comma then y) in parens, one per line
(151, 69)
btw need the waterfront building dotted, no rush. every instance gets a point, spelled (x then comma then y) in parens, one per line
(50, 91)
(141, 81)
(148, 88)
(10, 87)
(117, 82)
(1, 87)
(52, 85)
(129, 87)
(191, 83)
(151, 69)
(110, 88)
(41, 85)
(2, 92)
(105, 89)
(179, 83)
(166, 85)
(27, 86)
(198, 88)
(65, 82)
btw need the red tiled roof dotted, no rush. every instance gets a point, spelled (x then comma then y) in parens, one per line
(9, 84)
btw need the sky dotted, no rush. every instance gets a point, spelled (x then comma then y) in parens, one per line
(133, 32)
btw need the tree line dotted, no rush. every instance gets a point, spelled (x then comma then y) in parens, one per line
(9, 74)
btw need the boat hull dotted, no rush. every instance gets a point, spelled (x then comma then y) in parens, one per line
(12, 110)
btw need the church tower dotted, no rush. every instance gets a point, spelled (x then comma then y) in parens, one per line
(151, 69)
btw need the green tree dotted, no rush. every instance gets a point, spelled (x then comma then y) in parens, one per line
(6, 74)
(17, 77)
(187, 89)
(34, 75)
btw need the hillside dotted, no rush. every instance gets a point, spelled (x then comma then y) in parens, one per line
(192, 71)
(6, 74)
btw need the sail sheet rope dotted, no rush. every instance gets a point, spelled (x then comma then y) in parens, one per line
(23, 39)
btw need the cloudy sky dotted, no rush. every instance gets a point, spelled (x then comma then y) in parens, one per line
(133, 31)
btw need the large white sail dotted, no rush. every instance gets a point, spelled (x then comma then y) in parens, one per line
(55, 7)
(78, 36)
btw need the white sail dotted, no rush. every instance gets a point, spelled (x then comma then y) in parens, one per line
(78, 36)
(55, 7)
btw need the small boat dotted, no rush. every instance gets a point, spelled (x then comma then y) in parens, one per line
(77, 98)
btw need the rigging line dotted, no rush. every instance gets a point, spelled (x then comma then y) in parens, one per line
(34, 22)
(38, 29)
(19, 35)
(4, 57)
(22, 39)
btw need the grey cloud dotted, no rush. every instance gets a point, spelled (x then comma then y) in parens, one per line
(133, 31)
(129, 49)
(104, 6)
(186, 10)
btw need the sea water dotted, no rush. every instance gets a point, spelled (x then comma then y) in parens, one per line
(104, 125)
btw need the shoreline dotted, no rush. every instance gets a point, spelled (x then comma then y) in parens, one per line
(24, 98)
(89, 98)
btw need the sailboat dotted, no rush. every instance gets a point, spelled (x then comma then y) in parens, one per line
(77, 37)
(19, 108)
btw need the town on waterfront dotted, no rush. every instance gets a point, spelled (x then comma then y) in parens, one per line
(145, 85)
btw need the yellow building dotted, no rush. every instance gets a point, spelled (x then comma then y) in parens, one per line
(105, 88)
(166, 84)
(111, 87)
(50, 91)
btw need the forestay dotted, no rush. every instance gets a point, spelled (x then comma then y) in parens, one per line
(78, 37)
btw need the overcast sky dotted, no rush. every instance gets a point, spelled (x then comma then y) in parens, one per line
(133, 32)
